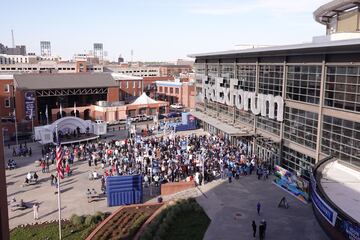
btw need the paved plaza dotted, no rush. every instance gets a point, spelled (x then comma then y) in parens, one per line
(73, 188)
(231, 207)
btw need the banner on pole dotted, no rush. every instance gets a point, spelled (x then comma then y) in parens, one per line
(29, 104)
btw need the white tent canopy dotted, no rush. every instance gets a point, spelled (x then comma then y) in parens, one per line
(144, 99)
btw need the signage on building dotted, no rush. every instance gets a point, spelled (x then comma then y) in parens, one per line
(264, 104)
(328, 213)
(295, 185)
(29, 105)
(351, 230)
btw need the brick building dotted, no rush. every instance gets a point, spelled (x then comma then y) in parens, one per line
(174, 70)
(176, 92)
(131, 87)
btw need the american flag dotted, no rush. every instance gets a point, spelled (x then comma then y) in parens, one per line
(59, 166)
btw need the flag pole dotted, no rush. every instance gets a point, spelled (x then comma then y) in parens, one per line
(16, 130)
(58, 173)
(47, 115)
(32, 125)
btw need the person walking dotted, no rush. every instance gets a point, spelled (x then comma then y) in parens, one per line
(230, 174)
(261, 231)
(263, 222)
(254, 228)
(258, 206)
(68, 170)
(36, 211)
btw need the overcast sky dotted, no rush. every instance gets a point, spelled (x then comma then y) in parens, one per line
(157, 29)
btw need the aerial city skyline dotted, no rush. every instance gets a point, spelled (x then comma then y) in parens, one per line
(180, 120)
(147, 28)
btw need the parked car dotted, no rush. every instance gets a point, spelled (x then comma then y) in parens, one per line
(142, 118)
(134, 119)
(176, 106)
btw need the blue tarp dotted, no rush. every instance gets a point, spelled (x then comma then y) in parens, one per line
(124, 190)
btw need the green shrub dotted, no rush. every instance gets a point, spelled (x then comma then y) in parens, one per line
(77, 220)
(89, 220)
(99, 216)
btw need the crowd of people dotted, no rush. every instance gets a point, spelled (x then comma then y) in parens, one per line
(161, 159)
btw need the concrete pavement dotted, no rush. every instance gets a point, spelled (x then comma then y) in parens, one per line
(232, 207)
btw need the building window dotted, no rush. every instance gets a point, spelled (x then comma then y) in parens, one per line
(166, 89)
(171, 90)
(7, 102)
(134, 84)
(301, 127)
(246, 77)
(341, 138)
(304, 83)
(7, 88)
(127, 84)
(269, 125)
(160, 89)
(139, 84)
(227, 72)
(342, 88)
(297, 162)
(270, 79)
(177, 90)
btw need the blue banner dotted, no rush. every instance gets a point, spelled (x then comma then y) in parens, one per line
(328, 213)
(352, 231)
(29, 105)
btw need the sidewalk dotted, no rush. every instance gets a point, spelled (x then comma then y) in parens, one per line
(232, 207)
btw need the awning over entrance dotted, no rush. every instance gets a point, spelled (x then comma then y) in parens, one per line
(226, 128)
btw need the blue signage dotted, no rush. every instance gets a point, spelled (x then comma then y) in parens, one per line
(328, 213)
(352, 231)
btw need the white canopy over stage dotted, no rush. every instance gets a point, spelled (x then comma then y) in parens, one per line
(69, 125)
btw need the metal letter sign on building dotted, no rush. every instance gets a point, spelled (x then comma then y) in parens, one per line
(241, 98)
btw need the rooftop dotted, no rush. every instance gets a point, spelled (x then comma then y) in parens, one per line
(347, 47)
(44, 81)
(329, 10)
(342, 185)
(124, 77)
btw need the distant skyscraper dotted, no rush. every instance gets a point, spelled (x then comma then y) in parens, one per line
(45, 48)
(99, 51)
(120, 59)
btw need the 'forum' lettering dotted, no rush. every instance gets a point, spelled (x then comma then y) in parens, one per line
(264, 104)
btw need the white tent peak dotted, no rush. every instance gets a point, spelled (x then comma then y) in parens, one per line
(144, 99)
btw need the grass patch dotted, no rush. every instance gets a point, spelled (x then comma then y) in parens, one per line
(183, 220)
(51, 231)
(75, 229)
(189, 226)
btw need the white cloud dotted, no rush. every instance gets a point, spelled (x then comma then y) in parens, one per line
(272, 6)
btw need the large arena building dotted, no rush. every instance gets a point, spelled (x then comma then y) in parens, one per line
(294, 106)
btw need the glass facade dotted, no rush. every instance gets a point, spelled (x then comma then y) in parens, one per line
(301, 127)
(297, 161)
(244, 117)
(341, 138)
(246, 75)
(342, 88)
(304, 83)
(269, 125)
(271, 79)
